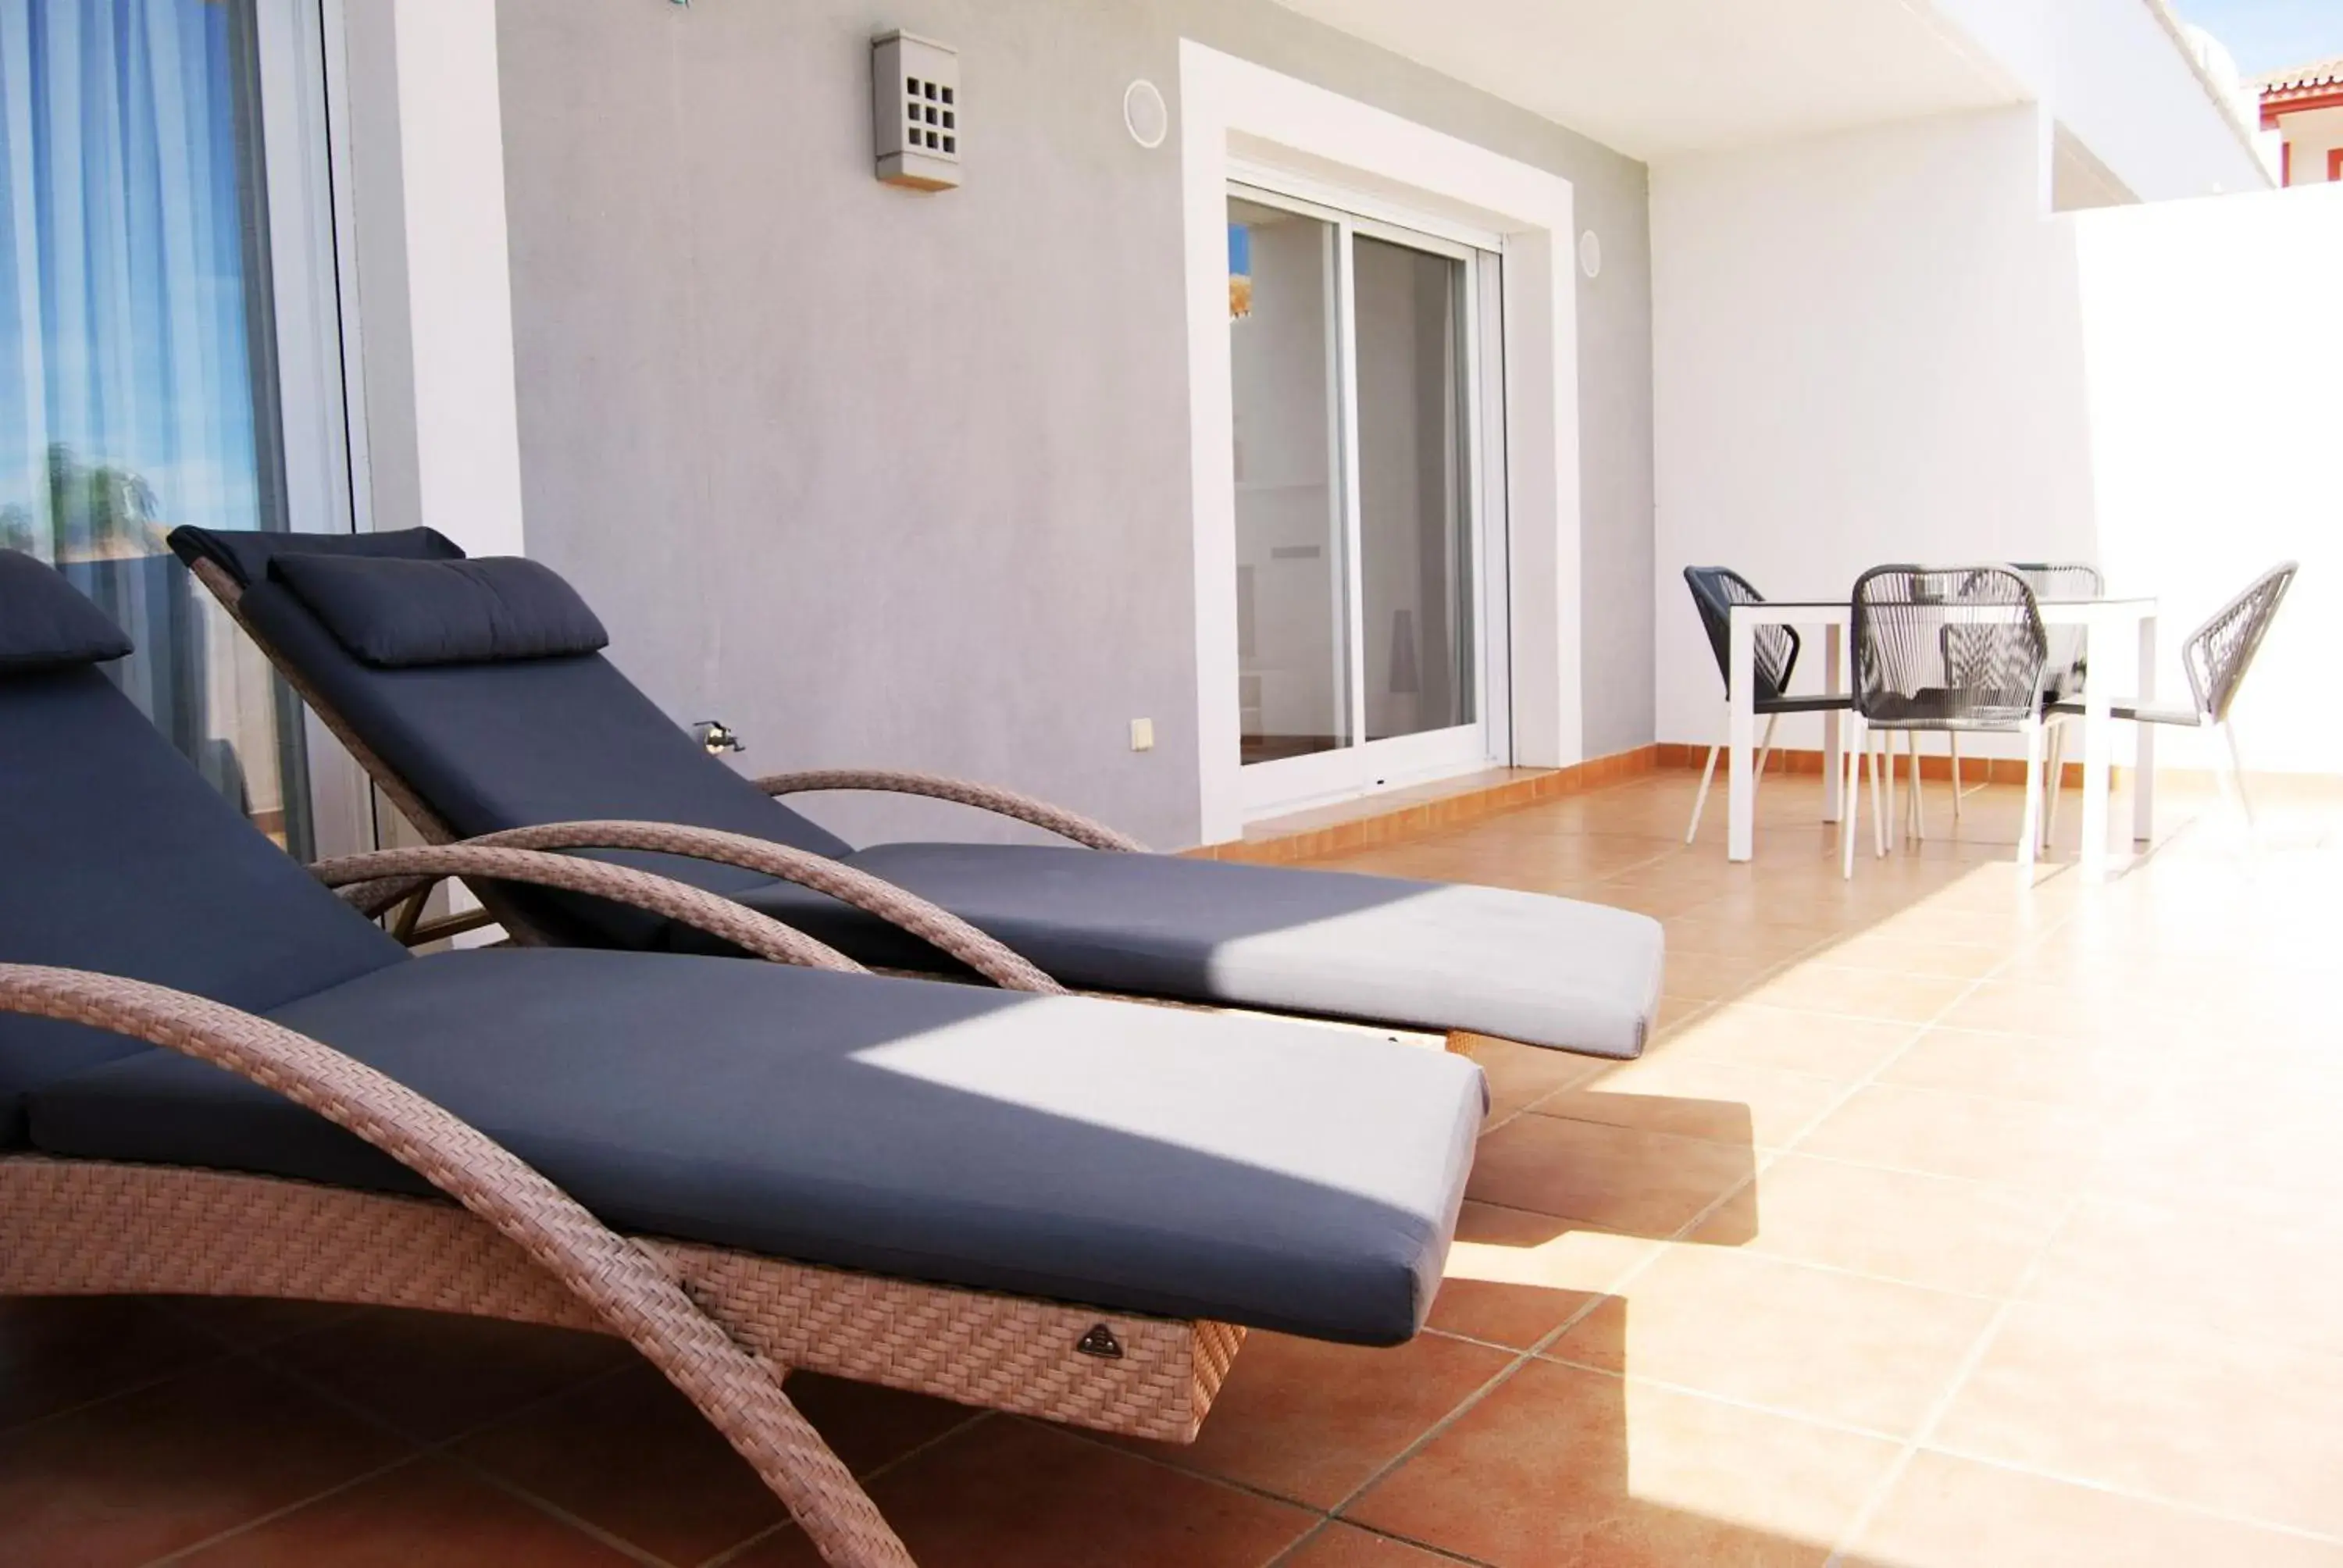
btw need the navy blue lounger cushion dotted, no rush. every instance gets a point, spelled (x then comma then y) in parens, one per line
(394, 613)
(46, 625)
(115, 856)
(244, 557)
(1277, 1174)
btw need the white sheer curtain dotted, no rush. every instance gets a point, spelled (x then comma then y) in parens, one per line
(134, 328)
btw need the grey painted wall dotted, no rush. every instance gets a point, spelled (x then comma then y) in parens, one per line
(902, 480)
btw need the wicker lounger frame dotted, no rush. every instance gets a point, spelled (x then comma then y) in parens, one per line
(892, 904)
(724, 1326)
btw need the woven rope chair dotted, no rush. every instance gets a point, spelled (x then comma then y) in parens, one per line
(2215, 658)
(1950, 650)
(2062, 672)
(1714, 591)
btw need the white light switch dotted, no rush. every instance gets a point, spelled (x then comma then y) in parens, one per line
(1142, 735)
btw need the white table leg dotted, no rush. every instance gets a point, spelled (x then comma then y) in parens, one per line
(2099, 748)
(1740, 789)
(1833, 662)
(2143, 762)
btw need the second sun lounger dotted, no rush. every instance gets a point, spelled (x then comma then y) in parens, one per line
(477, 695)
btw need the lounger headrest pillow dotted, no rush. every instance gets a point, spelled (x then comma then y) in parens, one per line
(45, 624)
(244, 554)
(396, 614)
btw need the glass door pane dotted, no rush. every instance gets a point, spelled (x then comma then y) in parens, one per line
(1293, 588)
(1415, 533)
(138, 354)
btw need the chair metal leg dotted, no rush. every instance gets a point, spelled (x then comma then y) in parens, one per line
(1919, 796)
(2236, 773)
(2057, 786)
(1879, 796)
(1700, 801)
(1766, 746)
(1850, 817)
(1953, 736)
(2031, 825)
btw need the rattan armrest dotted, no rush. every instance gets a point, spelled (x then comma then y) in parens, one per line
(628, 1290)
(1066, 824)
(939, 928)
(389, 875)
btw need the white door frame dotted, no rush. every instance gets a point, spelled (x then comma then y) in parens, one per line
(1240, 118)
(1361, 766)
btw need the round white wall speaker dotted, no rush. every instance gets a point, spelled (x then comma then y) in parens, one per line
(1590, 254)
(1144, 114)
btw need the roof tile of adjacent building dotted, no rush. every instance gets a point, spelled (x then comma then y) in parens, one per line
(2300, 87)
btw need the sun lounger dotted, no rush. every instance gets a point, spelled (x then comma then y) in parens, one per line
(216, 1077)
(477, 695)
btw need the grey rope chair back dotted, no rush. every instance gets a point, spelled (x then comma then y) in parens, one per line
(1909, 673)
(1774, 655)
(2068, 664)
(2219, 653)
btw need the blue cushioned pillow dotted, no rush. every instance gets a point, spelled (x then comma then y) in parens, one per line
(398, 614)
(46, 625)
(244, 554)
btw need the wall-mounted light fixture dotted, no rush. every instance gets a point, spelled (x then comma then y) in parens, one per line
(1590, 254)
(915, 111)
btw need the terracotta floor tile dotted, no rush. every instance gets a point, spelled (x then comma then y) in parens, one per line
(1964, 1135)
(1009, 1493)
(1932, 1231)
(2108, 1012)
(1861, 1351)
(1514, 1277)
(1311, 1421)
(1562, 1465)
(2267, 1263)
(1827, 1047)
(2023, 1067)
(60, 1351)
(631, 1455)
(2241, 1426)
(1692, 938)
(1816, 986)
(867, 1425)
(1692, 1096)
(425, 1514)
(433, 1375)
(1905, 956)
(1520, 1075)
(252, 1324)
(1619, 1179)
(167, 1466)
(1948, 1512)
(1341, 1546)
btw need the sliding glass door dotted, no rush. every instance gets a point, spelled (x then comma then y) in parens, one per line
(167, 293)
(1361, 385)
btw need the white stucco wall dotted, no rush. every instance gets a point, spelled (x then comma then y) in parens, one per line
(1862, 352)
(1881, 347)
(2311, 136)
(2113, 73)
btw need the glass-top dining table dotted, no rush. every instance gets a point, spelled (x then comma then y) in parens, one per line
(2101, 621)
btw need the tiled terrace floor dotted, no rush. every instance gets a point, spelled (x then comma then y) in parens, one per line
(1948, 1223)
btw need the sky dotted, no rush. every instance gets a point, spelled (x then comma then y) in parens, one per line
(2267, 35)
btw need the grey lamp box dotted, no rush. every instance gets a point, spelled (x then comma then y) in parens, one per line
(915, 110)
